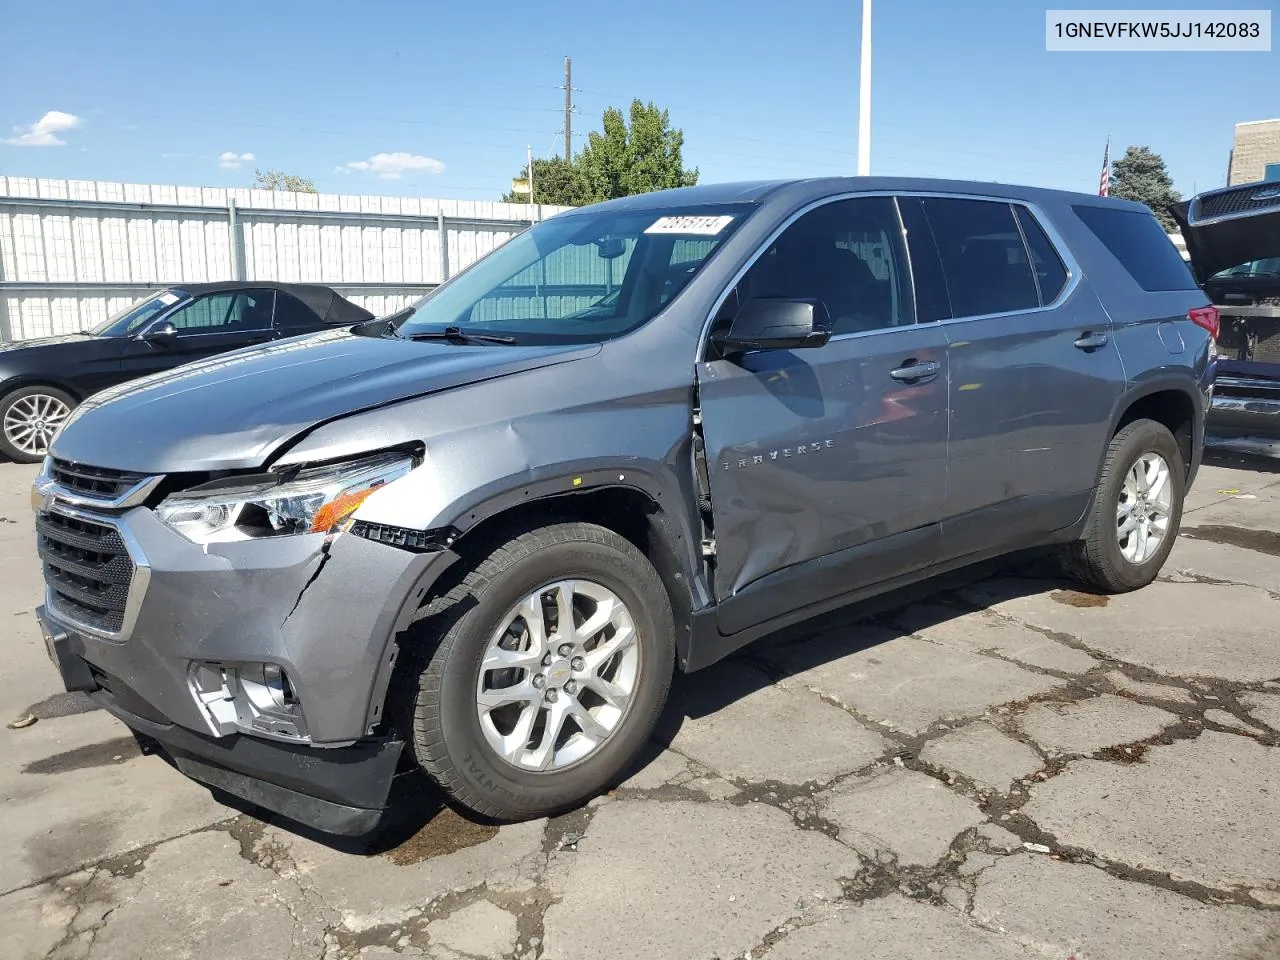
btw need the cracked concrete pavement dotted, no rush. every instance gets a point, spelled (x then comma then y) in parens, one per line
(1010, 768)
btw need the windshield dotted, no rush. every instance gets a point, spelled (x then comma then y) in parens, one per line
(1254, 268)
(132, 318)
(582, 277)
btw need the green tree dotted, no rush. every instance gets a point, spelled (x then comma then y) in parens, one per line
(279, 180)
(556, 181)
(1141, 175)
(621, 159)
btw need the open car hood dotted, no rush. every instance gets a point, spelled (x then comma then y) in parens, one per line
(1225, 228)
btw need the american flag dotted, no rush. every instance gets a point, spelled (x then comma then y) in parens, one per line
(1104, 182)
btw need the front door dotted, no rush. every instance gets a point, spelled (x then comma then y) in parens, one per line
(208, 325)
(828, 465)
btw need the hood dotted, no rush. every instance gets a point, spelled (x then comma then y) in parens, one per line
(232, 411)
(1225, 228)
(45, 342)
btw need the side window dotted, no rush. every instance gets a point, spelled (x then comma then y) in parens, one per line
(293, 316)
(983, 256)
(1051, 272)
(225, 313)
(849, 255)
(932, 301)
(1140, 244)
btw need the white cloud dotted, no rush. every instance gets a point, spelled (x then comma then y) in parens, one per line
(230, 160)
(392, 166)
(44, 132)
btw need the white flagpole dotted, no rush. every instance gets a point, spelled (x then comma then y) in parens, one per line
(864, 95)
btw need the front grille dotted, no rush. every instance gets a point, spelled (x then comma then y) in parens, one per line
(87, 568)
(99, 482)
(1250, 338)
(1236, 201)
(1267, 349)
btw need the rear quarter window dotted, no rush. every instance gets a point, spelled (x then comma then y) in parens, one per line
(1140, 244)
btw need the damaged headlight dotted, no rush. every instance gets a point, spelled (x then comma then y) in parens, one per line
(316, 500)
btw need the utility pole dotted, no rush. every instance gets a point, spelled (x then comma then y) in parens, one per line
(533, 211)
(864, 95)
(568, 109)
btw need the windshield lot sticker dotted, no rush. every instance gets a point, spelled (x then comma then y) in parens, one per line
(700, 226)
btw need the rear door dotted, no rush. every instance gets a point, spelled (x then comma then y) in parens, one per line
(828, 465)
(1034, 371)
(207, 326)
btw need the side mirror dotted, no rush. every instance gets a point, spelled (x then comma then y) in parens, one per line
(163, 333)
(762, 324)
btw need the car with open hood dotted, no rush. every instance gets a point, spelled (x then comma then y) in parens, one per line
(43, 380)
(476, 539)
(1233, 240)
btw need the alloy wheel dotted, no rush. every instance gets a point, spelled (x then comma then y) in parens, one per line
(31, 421)
(558, 675)
(1144, 508)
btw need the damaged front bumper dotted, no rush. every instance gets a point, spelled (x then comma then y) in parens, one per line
(183, 666)
(1245, 405)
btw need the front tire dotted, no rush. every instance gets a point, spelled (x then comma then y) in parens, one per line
(1136, 513)
(29, 417)
(515, 712)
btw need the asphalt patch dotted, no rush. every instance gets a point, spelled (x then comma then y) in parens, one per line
(446, 832)
(102, 754)
(1260, 541)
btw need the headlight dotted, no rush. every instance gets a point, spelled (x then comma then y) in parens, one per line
(318, 500)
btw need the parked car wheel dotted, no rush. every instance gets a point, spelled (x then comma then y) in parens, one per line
(1137, 510)
(29, 417)
(542, 673)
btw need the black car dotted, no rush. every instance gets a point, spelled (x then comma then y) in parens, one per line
(1233, 239)
(42, 381)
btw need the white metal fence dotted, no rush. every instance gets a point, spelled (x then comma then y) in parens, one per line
(72, 252)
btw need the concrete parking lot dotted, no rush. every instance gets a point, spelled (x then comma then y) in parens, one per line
(1010, 768)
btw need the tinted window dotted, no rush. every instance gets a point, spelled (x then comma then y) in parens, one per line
(1051, 272)
(1140, 244)
(225, 313)
(293, 316)
(983, 256)
(932, 302)
(849, 255)
(134, 317)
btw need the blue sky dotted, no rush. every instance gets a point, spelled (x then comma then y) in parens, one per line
(450, 94)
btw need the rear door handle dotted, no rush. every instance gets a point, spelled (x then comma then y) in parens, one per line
(1092, 341)
(912, 371)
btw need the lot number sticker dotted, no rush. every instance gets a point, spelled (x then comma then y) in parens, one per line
(700, 226)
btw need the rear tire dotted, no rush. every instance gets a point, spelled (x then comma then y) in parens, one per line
(29, 417)
(1136, 513)
(543, 731)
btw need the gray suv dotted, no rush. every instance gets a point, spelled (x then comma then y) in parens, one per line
(477, 537)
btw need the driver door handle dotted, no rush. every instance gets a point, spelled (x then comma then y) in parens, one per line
(913, 372)
(1091, 341)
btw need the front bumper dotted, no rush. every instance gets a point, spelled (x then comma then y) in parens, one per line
(1243, 406)
(341, 790)
(327, 613)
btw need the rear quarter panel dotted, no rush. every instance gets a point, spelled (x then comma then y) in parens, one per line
(1159, 346)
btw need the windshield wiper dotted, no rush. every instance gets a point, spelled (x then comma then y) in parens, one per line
(458, 335)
